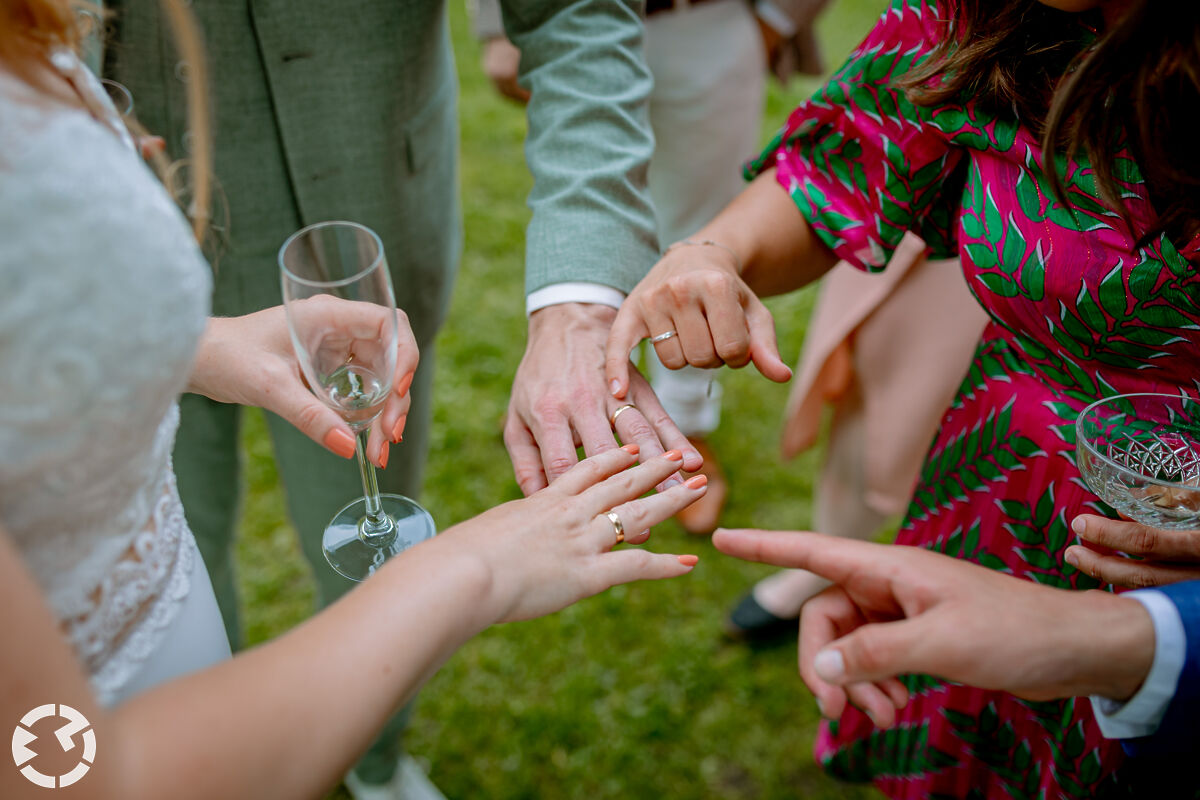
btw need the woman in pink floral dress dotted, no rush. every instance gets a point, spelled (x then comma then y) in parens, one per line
(1029, 141)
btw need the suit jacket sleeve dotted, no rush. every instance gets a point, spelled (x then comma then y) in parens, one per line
(1178, 732)
(589, 141)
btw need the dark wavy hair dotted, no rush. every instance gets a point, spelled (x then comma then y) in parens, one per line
(1136, 84)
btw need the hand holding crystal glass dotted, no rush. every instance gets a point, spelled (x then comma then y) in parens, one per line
(1140, 453)
(357, 355)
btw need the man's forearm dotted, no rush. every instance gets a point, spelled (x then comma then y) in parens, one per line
(589, 142)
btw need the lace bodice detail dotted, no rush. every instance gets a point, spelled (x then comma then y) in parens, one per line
(103, 296)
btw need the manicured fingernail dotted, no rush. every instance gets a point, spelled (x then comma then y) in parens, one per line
(398, 428)
(673, 455)
(830, 665)
(1079, 525)
(671, 482)
(689, 561)
(871, 716)
(632, 449)
(821, 708)
(614, 386)
(696, 482)
(340, 442)
(383, 455)
(1071, 559)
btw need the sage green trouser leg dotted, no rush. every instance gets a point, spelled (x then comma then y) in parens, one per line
(317, 484)
(208, 470)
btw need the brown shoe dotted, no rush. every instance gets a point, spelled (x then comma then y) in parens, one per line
(702, 517)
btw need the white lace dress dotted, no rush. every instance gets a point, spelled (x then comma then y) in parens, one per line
(103, 297)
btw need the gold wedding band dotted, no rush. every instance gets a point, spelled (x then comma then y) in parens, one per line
(618, 528)
(617, 413)
(662, 337)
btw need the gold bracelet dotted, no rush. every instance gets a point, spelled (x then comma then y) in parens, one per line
(706, 243)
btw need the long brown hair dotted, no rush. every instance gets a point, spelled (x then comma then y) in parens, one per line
(30, 29)
(1086, 88)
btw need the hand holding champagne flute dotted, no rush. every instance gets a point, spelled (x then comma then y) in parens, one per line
(344, 327)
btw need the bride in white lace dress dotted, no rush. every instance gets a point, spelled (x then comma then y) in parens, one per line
(104, 601)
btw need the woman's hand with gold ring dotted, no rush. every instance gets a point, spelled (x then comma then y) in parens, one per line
(618, 528)
(557, 545)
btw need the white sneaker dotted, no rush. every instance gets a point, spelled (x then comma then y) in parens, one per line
(409, 783)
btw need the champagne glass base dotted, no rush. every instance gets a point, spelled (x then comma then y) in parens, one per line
(357, 560)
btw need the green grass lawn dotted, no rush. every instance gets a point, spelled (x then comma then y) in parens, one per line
(629, 694)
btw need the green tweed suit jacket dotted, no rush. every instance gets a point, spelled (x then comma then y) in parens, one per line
(362, 94)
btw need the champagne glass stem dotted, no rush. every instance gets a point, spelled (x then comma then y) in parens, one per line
(377, 528)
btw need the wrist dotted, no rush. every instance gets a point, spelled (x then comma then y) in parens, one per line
(464, 571)
(1118, 642)
(730, 256)
(561, 318)
(208, 358)
(742, 249)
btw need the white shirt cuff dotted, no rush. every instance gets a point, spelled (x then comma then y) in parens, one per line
(771, 14)
(1142, 713)
(575, 292)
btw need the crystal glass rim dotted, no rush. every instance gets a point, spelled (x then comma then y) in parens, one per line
(109, 83)
(342, 281)
(1081, 439)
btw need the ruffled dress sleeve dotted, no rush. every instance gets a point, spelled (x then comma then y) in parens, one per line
(862, 163)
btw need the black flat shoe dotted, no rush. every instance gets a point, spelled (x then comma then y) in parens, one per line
(754, 625)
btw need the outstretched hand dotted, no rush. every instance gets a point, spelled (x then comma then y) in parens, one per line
(560, 401)
(896, 610)
(694, 292)
(250, 360)
(555, 547)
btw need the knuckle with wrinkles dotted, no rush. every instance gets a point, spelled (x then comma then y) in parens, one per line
(632, 519)
(547, 407)
(717, 283)
(733, 352)
(527, 478)
(308, 418)
(679, 290)
(558, 465)
(1143, 540)
(866, 656)
(659, 419)
(1142, 579)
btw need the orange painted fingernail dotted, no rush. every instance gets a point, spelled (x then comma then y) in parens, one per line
(340, 442)
(632, 449)
(383, 455)
(696, 482)
(398, 428)
(405, 385)
(689, 561)
(673, 455)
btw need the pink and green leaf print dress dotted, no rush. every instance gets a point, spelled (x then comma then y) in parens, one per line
(1077, 312)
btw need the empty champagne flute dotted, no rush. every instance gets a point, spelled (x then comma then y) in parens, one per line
(341, 314)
